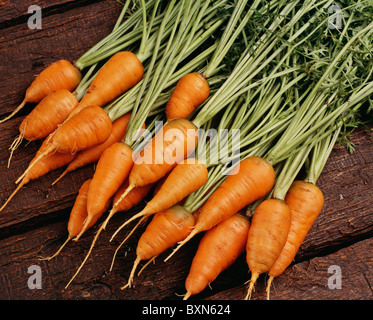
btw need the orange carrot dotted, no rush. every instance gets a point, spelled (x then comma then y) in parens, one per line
(42, 167)
(78, 215)
(133, 198)
(305, 201)
(45, 117)
(165, 230)
(250, 179)
(90, 127)
(112, 170)
(120, 73)
(93, 154)
(171, 145)
(217, 250)
(59, 75)
(267, 236)
(84, 129)
(187, 177)
(190, 92)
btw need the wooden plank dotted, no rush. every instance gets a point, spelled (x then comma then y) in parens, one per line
(25, 52)
(318, 278)
(16, 11)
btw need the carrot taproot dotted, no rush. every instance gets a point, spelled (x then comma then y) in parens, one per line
(93, 154)
(251, 179)
(112, 170)
(133, 198)
(218, 249)
(48, 114)
(165, 230)
(187, 177)
(171, 145)
(305, 201)
(58, 75)
(190, 92)
(77, 217)
(42, 166)
(267, 236)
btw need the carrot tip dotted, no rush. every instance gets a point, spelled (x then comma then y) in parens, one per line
(15, 144)
(60, 177)
(14, 193)
(57, 252)
(181, 243)
(14, 111)
(126, 286)
(251, 285)
(269, 286)
(84, 229)
(187, 295)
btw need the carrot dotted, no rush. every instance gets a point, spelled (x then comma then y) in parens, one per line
(250, 179)
(93, 154)
(171, 145)
(132, 199)
(187, 177)
(217, 250)
(190, 91)
(77, 217)
(120, 73)
(45, 117)
(43, 166)
(59, 75)
(89, 124)
(90, 127)
(165, 230)
(112, 170)
(267, 236)
(305, 201)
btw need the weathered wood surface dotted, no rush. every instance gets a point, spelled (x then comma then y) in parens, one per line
(34, 223)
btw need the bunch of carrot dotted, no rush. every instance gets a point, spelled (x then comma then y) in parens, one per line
(236, 136)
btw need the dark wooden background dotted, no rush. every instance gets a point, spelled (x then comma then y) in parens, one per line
(34, 223)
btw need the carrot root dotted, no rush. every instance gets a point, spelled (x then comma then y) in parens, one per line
(15, 144)
(146, 264)
(84, 229)
(58, 251)
(270, 279)
(14, 111)
(125, 239)
(86, 257)
(24, 181)
(130, 279)
(181, 243)
(253, 279)
(187, 295)
(60, 177)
